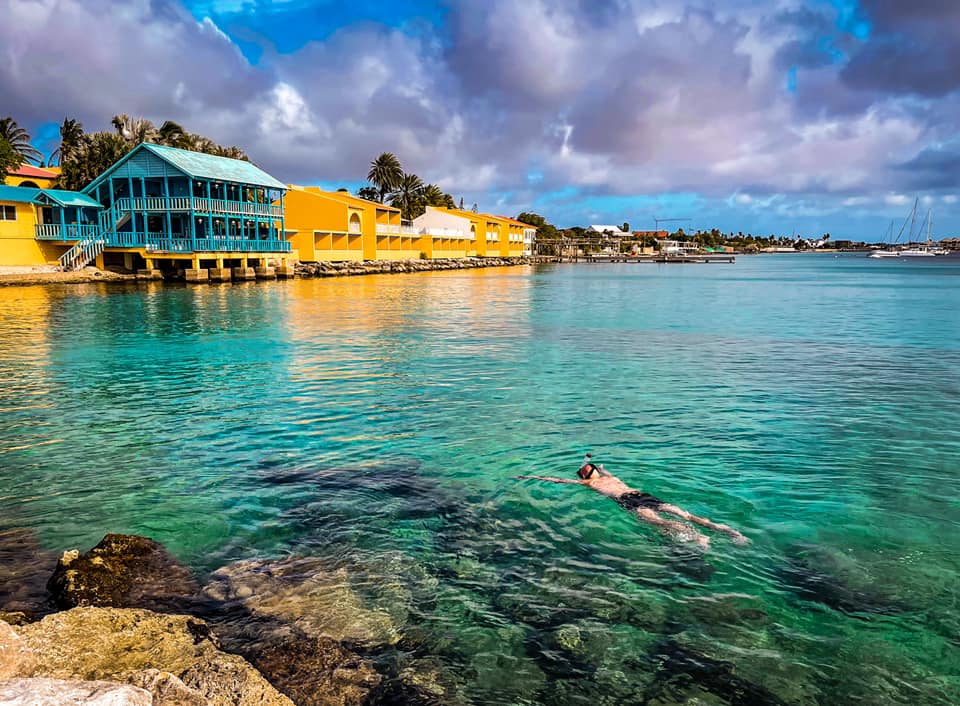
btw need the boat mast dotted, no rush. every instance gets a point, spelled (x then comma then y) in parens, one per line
(913, 217)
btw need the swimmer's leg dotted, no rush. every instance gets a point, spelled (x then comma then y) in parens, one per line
(704, 522)
(677, 530)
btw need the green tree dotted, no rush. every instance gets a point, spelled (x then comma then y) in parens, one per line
(19, 140)
(448, 201)
(10, 159)
(385, 174)
(135, 130)
(533, 219)
(71, 133)
(369, 193)
(94, 154)
(172, 134)
(433, 196)
(626, 227)
(409, 196)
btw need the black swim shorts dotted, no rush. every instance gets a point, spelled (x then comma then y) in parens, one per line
(635, 500)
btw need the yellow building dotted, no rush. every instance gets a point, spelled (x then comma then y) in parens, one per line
(521, 237)
(27, 213)
(33, 177)
(335, 226)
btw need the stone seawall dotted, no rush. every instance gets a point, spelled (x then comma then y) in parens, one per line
(379, 267)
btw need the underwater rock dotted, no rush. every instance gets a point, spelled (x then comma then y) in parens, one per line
(312, 670)
(123, 571)
(302, 593)
(679, 668)
(24, 570)
(814, 574)
(120, 644)
(71, 692)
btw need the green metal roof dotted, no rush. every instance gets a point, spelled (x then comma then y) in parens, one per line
(70, 198)
(18, 194)
(208, 166)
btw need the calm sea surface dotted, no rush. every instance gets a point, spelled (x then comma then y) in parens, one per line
(378, 422)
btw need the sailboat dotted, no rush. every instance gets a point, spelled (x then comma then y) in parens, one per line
(889, 252)
(926, 249)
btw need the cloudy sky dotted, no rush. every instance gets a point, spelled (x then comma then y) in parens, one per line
(761, 116)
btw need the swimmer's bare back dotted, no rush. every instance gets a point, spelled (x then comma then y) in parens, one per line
(647, 508)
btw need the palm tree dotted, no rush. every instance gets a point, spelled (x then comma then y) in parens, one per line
(19, 140)
(71, 133)
(433, 196)
(134, 130)
(409, 196)
(385, 174)
(172, 134)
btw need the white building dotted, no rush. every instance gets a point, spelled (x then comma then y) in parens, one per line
(442, 223)
(611, 230)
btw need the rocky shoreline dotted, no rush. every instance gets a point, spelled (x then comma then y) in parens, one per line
(381, 267)
(126, 623)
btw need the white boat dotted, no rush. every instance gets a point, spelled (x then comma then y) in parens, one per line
(919, 251)
(927, 249)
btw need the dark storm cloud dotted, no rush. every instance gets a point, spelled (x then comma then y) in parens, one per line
(914, 47)
(933, 169)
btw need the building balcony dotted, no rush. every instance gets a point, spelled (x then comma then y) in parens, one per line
(444, 232)
(162, 242)
(162, 204)
(391, 229)
(71, 231)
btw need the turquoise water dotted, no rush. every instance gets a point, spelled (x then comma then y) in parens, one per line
(377, 422)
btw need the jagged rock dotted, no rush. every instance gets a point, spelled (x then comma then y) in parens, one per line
(123, 571)
(306, 594)
(16, 658)
(337, 269)
(167, 688)
(312, 670)
(119, 644)
(64, 692)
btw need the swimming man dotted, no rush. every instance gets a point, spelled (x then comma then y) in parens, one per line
(644, 505)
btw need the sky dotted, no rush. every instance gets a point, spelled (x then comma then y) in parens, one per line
(773, 116)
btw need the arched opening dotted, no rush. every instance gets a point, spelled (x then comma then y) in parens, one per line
(473, 232)
(28, 184)
(354, 226)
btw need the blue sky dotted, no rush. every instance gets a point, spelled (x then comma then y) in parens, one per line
(779, 116)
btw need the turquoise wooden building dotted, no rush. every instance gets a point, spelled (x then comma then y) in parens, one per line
(166, 204)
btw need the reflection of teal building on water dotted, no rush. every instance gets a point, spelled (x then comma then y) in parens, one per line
(162, 205)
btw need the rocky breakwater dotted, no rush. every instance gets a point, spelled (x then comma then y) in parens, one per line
(135, 626)
(379, 267)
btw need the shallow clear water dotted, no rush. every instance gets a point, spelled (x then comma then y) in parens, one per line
(377, 422)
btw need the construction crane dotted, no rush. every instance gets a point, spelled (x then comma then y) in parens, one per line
(658, 221)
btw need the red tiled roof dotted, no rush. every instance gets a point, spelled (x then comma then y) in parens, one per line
(27, 170)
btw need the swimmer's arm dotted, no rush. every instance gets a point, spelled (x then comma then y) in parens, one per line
(552, 480)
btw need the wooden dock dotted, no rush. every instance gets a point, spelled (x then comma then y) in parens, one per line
(659, 259)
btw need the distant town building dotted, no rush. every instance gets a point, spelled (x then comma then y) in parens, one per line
(657, 234)
(608, 230)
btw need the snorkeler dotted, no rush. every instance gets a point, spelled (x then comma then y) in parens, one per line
(643, 504)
